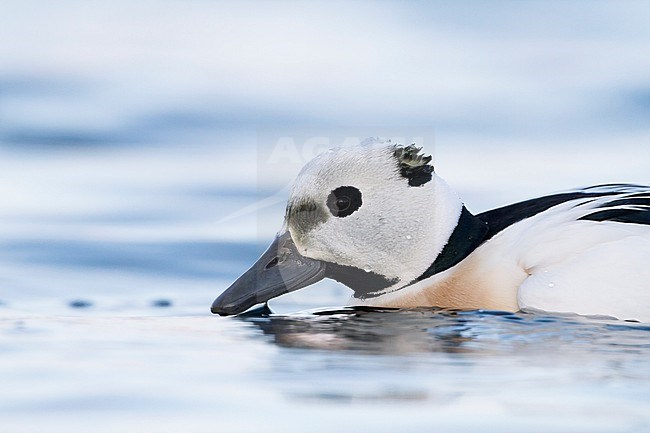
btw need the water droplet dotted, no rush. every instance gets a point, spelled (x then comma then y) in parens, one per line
(409, 237)
(298, 262)
(551, 285)
(367, 268)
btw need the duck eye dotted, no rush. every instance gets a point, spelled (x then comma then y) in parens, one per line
(344, 200)
(343, 203)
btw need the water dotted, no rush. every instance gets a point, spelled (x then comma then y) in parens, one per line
(349, 370)
(140, 175)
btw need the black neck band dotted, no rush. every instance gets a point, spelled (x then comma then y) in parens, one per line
(469, 233)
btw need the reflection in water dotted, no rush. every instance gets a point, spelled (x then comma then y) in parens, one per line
(370, 330)
(412, 331)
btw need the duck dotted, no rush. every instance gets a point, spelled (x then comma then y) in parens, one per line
(377, 218)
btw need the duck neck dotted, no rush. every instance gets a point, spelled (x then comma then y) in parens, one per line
(469, 233)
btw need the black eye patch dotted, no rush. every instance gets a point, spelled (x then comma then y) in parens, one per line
(344, 200)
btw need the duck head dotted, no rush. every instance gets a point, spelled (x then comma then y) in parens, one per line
(373, 217)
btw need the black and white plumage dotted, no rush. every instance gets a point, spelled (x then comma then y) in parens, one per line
(377, 218)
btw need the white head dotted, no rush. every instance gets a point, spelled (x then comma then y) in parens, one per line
(394, 215)
(373, 216)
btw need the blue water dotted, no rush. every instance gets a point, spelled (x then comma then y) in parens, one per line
(145, 151)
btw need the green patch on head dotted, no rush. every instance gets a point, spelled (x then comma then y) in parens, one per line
(304, 215)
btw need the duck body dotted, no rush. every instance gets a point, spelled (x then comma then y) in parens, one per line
(568, 258)
(378, 219)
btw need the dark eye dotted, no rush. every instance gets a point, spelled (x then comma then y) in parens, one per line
(344, 200)
(343, 203)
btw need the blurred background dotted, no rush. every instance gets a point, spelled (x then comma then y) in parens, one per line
(134, 136)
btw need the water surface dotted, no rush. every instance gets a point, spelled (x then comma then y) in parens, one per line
(344, 369)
